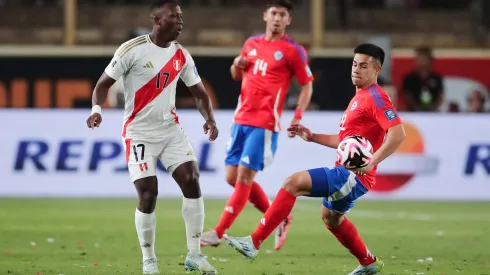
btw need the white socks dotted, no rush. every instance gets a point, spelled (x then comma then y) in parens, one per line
(193, 213)
(146, 228)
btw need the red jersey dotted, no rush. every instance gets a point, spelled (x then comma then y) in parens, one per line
(370, 114)
(266, 80)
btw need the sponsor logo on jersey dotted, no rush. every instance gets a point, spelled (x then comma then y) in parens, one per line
(278, 55)
(148, 65)
(252, 52)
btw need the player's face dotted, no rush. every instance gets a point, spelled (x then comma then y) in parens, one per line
(364, 70)
(423, 62)
(277, 19)
(169, 19)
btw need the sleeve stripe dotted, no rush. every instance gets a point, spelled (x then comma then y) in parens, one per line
(298, 48)
(376, 96)
(130, 45)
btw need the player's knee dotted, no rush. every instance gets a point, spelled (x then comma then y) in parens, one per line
(245, 175)
(292, 185)
(148, 200)
(231, 179)
(330, 218)
(191, 178)
(298, 184)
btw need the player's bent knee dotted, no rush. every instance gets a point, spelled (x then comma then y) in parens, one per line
(231, 177)
(298, 184)
(331, 218)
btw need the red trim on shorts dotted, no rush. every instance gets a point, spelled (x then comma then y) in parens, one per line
(128, 148)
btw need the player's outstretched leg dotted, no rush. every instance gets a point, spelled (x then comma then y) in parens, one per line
(346, 233)
(145, 221)
(236, 203)
(260, 200)
(187, 176)
(298, 184)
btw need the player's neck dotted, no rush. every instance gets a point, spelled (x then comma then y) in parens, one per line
(364, 87)
(159, 39)
(270, 36)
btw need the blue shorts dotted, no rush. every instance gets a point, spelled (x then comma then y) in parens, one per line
(338, 186)
(251, 147)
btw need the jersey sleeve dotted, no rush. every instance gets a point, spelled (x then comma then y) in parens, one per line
(299, 65)
(120, 63)
(189, 74)
(382, 110)
(245, 47)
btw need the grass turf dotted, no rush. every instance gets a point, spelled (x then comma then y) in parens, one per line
(97, 236)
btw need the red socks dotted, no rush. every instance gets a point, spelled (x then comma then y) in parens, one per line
(258, 198)
(348, 236)
(233, 208)
(277, 213)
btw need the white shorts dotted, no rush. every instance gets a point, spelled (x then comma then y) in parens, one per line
(172, 149)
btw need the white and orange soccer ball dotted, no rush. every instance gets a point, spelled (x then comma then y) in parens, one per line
(354, 152)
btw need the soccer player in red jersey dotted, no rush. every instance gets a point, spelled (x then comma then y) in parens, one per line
(370, 114)
(265, 65)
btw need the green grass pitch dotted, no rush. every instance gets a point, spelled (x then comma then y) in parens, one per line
(97, 236)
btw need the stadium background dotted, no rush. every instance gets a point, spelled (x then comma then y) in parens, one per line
(433, 194)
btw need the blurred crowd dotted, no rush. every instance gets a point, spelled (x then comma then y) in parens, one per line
(423, 89)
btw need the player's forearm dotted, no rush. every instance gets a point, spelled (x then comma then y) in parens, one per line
(304, 97)
(331, 141)
(205, 107)
(396, 135)
(203, 102)
(236, 73)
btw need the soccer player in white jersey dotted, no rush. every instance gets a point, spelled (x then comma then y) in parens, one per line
(151, 66)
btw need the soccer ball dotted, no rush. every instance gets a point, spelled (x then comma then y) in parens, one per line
(354, 152)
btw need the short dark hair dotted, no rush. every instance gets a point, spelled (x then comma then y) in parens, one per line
(371, 50)
(281, 3)
(424, 50)
(160, 3)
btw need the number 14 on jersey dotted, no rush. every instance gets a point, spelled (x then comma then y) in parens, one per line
(260, 67)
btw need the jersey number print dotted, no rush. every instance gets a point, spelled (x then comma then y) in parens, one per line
(342, 122)
(260, 65)
(164, 80)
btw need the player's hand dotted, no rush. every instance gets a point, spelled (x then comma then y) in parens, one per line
(301, 131)
(363, 171)
(295, 121)
(210, 127)
(94, 120)
(240, 62)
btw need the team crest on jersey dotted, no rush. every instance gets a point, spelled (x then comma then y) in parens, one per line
(278, 55)
(177, 65)
(353, 106)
